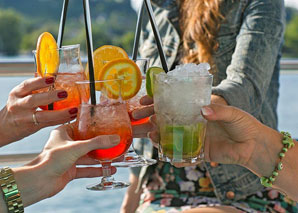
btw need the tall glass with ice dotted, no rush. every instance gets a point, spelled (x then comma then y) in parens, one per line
(178, 98)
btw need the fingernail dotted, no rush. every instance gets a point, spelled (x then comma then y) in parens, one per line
(50, 80)
(115, 139)
(62, 94)
(207, 111)
(73, 111)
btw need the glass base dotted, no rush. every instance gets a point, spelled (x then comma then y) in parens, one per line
(134, 161)
(107, 183)
(194, 160)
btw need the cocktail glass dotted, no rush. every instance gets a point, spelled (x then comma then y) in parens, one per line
(177, 103)
(108, 117)
(69, 71)
(131, 158)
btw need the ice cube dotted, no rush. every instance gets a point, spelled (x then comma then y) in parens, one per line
(190, 69)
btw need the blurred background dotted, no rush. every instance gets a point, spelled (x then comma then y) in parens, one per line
(113, 22)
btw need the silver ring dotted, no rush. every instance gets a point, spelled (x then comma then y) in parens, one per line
(36, 123)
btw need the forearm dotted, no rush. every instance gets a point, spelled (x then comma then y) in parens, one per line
(5, 128)
(3, 207)
(28, 183)
(131, 199)
(265, 158)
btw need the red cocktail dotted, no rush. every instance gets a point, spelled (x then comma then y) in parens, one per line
(107, 117)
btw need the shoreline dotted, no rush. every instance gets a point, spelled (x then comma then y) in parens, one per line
(19, 68)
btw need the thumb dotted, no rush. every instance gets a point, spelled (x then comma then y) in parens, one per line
(99, 142)
(218, 112)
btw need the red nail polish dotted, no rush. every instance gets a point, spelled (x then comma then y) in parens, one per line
(62, 94)
(73, 111)
(50, 80)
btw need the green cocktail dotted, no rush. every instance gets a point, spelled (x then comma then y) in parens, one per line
(182, 142)
(178, 98)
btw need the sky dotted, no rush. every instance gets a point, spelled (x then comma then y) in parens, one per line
(292, 3)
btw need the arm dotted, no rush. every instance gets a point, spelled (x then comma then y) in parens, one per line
(254, 57)
(131, 199)
(235, 137)
(55, 167)
(264, 166)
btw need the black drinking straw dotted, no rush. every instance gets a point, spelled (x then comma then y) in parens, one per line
(62, 23)
(138, 32)
(89, 49)
(60, 34)
(156, 35)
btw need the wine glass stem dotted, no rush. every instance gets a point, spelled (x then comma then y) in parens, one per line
(106, 169)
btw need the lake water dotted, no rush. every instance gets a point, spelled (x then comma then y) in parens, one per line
(76, 199)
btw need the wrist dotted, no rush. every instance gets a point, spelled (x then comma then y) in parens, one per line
(265, 156)
(29, 184)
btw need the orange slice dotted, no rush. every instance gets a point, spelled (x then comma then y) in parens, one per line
(47, 55)
(124, 69)
(103, 55)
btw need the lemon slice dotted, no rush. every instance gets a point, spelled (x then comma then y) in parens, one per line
(47, 55)
(124, 69)
(149, 79)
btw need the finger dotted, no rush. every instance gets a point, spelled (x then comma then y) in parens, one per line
(30, 85)
(51, 118)
(154, 137)
(99, 142)
(180, 165)
(141, 131)
(120, 159)
(90, 172)
(217, 112)
(146, 100)
(86, 160)
(153, 120)
(42, 99)
(144, 112)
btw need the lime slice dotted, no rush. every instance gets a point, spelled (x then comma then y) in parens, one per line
(149, 78)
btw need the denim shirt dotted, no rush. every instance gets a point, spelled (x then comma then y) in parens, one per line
(247, 61)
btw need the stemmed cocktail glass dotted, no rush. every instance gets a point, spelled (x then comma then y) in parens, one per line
(108, 116)
(131, 158)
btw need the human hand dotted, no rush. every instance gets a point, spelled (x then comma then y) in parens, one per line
(141, 130)
(17, 117)
(49, 173)
(230, 137)
(231, 134)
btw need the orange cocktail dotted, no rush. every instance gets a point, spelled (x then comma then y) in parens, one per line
(66, 81)
(62, 63)
(134, 102)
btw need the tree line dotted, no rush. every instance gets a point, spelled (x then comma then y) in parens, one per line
(19, 32)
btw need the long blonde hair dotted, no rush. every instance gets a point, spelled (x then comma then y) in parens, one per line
(199, 22)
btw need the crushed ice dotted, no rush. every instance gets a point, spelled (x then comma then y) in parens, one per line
(190, 70)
